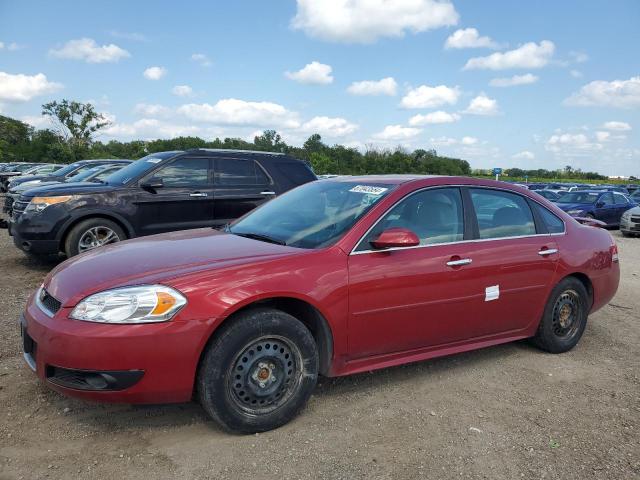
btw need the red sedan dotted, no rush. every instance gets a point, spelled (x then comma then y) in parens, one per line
(335, 277)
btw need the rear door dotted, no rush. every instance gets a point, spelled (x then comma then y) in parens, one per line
(184, 201)
(240, 186)
(622, 205)
(606, 208)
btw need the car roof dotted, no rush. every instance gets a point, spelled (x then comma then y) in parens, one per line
(388, 179)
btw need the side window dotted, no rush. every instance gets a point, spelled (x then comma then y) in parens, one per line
(239, 172)
(553, 223)
(297, 172)
(502, 214)
(606, 199)
(83, 168)
(185, 172)
(620, 199)
(106, 172)
(434, 215)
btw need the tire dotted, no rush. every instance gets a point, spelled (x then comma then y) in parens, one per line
(82, 233)
(242, 356)
(564, 318)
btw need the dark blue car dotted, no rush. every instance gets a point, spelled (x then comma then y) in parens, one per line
(601, 205)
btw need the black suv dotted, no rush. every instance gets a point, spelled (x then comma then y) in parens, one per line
(159, 193)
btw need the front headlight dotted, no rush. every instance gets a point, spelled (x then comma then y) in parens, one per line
(142, 304)
(38, 204)
(575, 212)
(626, 214)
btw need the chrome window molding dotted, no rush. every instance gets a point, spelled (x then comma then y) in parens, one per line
(475, 240)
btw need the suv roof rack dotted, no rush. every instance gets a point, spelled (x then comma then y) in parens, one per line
(231, 150)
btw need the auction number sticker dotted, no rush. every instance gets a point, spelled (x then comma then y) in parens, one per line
(369, 189)
(154, 160)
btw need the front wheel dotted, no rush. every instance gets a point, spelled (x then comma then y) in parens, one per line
(92, 233)
(259, 372)
(564, 318)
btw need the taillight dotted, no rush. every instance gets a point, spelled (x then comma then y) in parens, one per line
(614, 252)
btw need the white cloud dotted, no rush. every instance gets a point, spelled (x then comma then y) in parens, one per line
(469, 140)
(524, 155)
(603, 136)
(1, 45)
(151, 110)
(201, 59)
(232, 111)
(571, 145)
(433, 118)
(575, 73)
(513, 81)
(40, 121)
(482, 105)
(11, 47)
(22, 88)
(154, 73)
(88, 50)
(430, 97)
(443, 141)
(397, 132)
(529, 55)
(579, 57)
(386, 86)
(151, 128)
(468, 38)
(182, 91)
(364, 21)
(601, 93)
(313, 73)
(329, 127)
(617, 126)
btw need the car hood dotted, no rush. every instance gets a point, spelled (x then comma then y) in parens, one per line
(574, 206)
(28, 178)
(23, 187)
(73, 188)
(155, 259)
(634, 211)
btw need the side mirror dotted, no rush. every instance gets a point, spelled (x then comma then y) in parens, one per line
(395, 238)
(599, 204)
(152, 184)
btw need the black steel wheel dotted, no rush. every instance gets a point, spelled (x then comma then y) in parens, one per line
(564, 318)
(258, 371)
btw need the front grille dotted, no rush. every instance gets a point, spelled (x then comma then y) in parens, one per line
(18, 208)
(8, 202)
(48, 302)
(635, 219)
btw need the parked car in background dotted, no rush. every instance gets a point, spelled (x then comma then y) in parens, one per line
(605, 206)
(161, 192)
(559, 188)
(335, 277)
(635, 196)
(630, 222)
(13, 170)
(62, 174)
(632, 187)
(548, 194)
(98, 173)
(536, 186)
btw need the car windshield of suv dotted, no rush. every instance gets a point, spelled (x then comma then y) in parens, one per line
(314, 215)
(63, 172)
(578, 197)
(138, 168)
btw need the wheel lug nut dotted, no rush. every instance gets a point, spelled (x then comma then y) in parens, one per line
(261, 385)
(272, 366)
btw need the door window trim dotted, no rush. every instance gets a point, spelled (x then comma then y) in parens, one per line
(465, 194)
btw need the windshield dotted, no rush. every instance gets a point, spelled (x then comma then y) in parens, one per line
(66, 170)
(139, 167)
(314, 215)
(79, 177)
(579, 197)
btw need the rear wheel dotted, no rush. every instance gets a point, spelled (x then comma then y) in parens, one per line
(259, 372)
(564, 318)
(92, 233)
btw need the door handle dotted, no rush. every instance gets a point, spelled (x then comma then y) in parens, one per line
(548, 251)
(462, 261)
(198, 194)
(267, 192)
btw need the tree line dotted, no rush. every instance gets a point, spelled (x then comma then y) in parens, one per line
(75, 126)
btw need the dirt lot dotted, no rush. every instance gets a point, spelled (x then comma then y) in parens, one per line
(503, 412)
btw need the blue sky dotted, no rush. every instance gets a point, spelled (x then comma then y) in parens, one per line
(502, 83)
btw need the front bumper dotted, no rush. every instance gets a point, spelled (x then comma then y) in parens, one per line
(74, 357)
(627, 225)
(38, 233)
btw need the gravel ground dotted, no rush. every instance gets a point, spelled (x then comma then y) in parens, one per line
(503, 412)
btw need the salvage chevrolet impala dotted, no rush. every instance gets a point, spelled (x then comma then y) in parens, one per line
(335, 277)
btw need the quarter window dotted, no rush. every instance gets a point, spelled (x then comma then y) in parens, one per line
(502, 214)
(552, 222)
(239, 172)
(434, 215)
(185, 172)
(620, 199)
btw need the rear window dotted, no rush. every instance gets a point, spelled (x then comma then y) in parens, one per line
(297, 172)
(501, 214)
(230, 171)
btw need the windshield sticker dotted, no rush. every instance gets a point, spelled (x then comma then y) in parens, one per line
(368, 189)
(154, 160)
